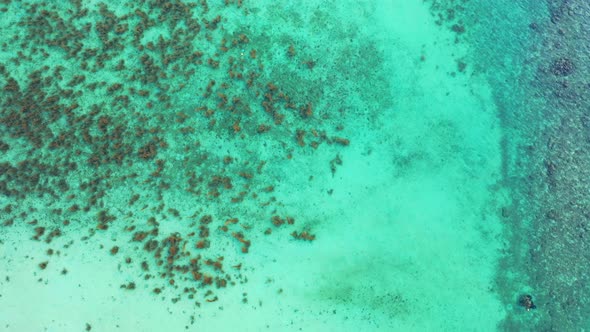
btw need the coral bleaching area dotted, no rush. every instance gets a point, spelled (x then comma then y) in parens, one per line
(267, 165)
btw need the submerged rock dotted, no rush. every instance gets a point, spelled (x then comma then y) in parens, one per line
(562, 67)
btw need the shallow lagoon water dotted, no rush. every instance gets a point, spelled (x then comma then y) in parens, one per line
(292, 166)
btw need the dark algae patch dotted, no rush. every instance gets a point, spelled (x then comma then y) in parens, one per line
(138, 122)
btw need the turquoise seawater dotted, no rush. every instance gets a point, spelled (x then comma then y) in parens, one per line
(258, 165)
